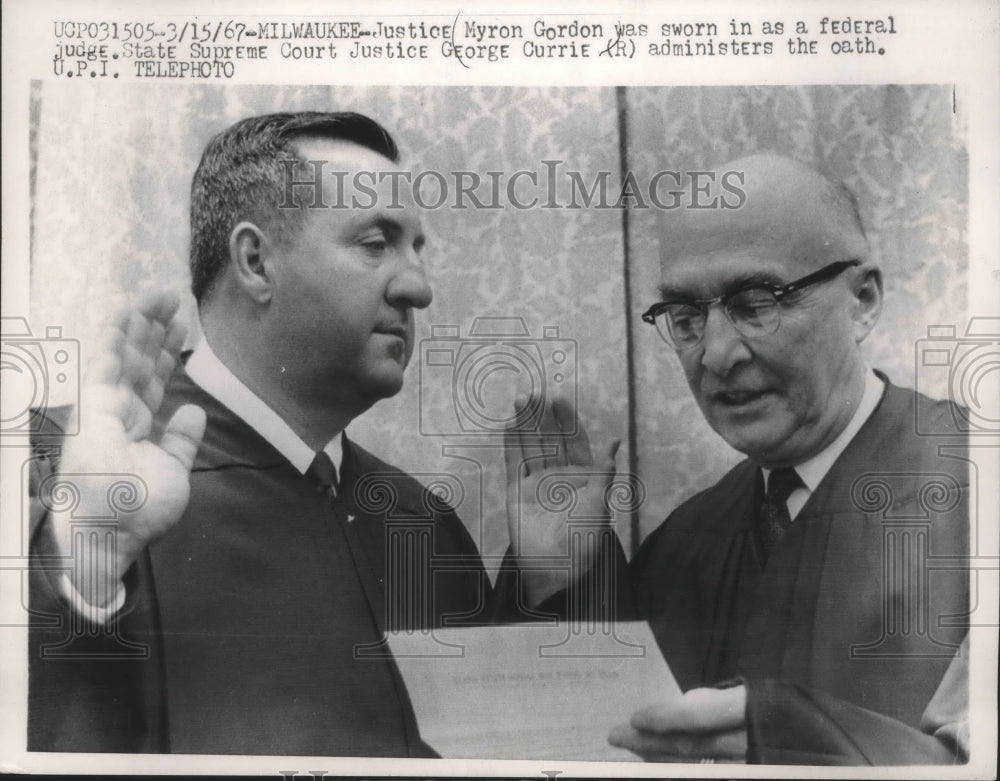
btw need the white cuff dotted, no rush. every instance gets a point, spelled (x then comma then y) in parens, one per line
(94, 614)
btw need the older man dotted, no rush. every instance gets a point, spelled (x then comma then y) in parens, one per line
(779, 588)
(258, 578)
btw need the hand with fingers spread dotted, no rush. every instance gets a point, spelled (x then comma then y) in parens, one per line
(552, 479)
(702, 725)
(121, 393)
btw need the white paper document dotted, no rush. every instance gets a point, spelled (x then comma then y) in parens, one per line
(531, 691)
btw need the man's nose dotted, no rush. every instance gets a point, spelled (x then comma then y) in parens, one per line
(723, 347)
(409, 285)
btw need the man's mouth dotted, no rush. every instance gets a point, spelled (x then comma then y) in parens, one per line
(738, 398)
(392, 330)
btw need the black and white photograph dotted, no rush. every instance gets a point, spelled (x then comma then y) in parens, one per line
(494, 406)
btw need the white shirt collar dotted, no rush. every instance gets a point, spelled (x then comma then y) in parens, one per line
(814, 470)
(214, 377)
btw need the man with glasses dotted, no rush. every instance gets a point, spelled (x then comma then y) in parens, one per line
(802, 628)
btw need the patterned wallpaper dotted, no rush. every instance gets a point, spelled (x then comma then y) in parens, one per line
(111, 198)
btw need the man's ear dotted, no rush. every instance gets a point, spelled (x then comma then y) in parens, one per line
(867, 300)
(248, 248)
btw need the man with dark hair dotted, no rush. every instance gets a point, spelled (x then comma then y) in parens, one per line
(240, 607)
(245, 172)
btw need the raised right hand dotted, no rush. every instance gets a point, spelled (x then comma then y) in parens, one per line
(121, 393)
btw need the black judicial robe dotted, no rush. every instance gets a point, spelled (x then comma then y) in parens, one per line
(254, 626)
(844, 634)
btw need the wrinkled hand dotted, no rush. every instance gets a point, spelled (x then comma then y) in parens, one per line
(552, 479)
(700, 725)
(122, 391)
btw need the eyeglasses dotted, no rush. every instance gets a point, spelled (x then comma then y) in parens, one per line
(753, 310)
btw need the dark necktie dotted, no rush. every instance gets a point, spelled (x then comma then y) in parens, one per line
(324, 475)
(774, 516)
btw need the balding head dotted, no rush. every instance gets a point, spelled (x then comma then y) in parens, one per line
(788, 207)
(780, 380)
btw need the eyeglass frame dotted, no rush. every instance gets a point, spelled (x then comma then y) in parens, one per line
(779, 292)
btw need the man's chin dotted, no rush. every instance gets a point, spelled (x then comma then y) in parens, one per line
(760, 442)
(385, 384)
